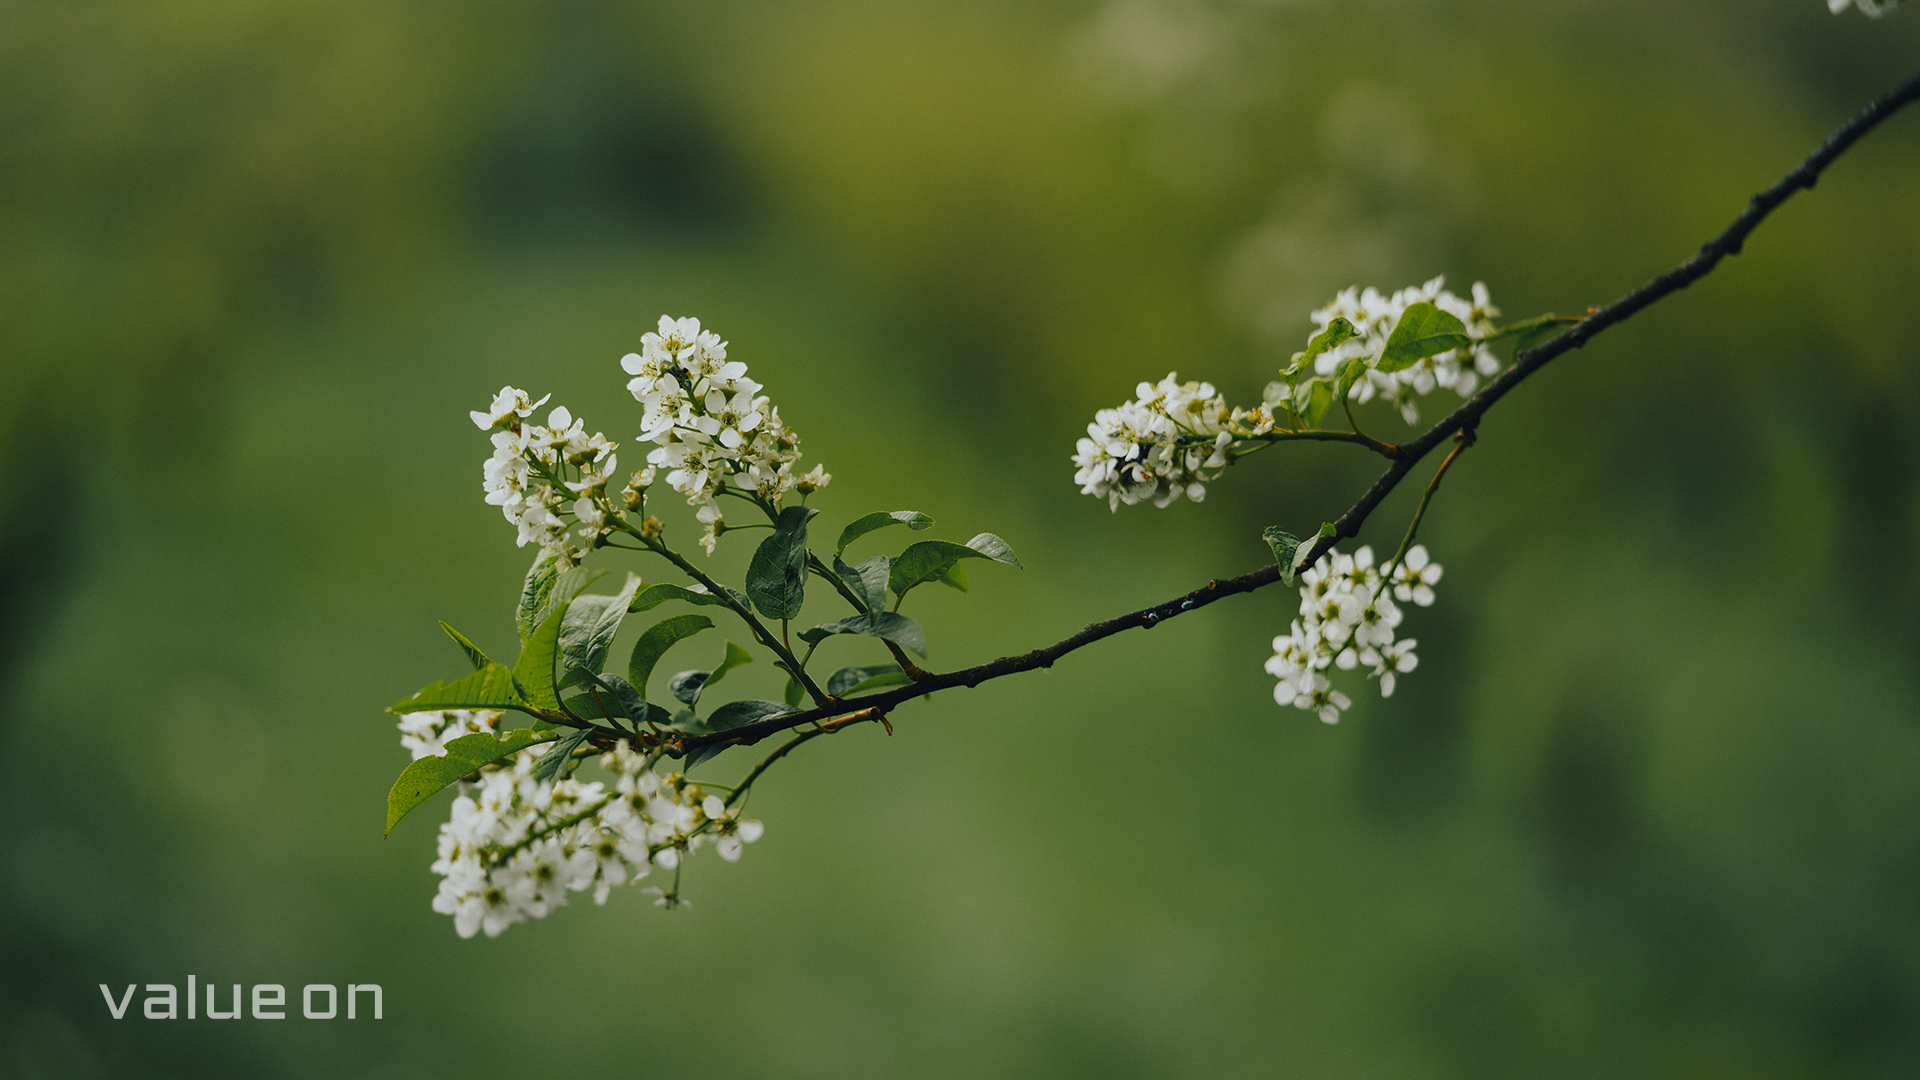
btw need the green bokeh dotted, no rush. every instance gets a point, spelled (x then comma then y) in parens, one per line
(1649, 807)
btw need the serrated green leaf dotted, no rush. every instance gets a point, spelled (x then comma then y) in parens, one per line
(489, 688)
(1285, 546)
(1337, 332)
(777, 577)
(889, 625)
(420, 780)
(868, 581)
(847, 677)
(928, 560)
(996, 549)
(588, 631)
(533, 671)
(912, 519)
(545, 587)
(654, 644)
(474, 656)
(558, 760)
(1423, 330)
(534, 592)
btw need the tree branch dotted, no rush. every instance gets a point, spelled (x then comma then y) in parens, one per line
(1406, 456)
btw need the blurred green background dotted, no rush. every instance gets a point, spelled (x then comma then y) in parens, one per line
(1649, 807)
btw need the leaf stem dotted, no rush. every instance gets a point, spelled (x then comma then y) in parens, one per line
(760, 631)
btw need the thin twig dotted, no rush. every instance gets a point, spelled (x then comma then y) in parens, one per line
(790, 745)
(1461, 441)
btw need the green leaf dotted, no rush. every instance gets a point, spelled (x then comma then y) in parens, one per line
(534, 592)
(795, 693)
(654, 644)
(489, 688)
(1327, 529)
(732, 715)
(1278, 395)
(1312, 402)
(1337, 332)
(928, 560)
(868, 581)
(1348, 374)
(533, 671)
(474, 655)
(735, 657)
(1285, 546)
(420, 780)
(777, 577)
(1423, 331)
(684, 720)
(737, 713)
(955, 577)
(654, 595)
(546, 586)
(881, 681)
(1547, 326)
(912, 519)
(558, 760)
(847, 677)
(586, 708)
(620, 692)
(686, 685)
(588, 630)
(890, 625)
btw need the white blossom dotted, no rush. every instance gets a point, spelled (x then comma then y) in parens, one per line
(1347, 620)
(1167, 442)
(514, 847)
(540, 475)
(1416, 576)
(709, 424)
(1374, 316)
(1874, 8)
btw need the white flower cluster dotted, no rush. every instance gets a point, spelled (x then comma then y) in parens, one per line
(1347, 619)
(1374, 316)
(515, 846)
(1166, 443)
(531, 467)
(1875, 8)
(426, 734)
(709, 426)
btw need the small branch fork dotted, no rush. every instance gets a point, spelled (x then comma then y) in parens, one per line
(1458, 425)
